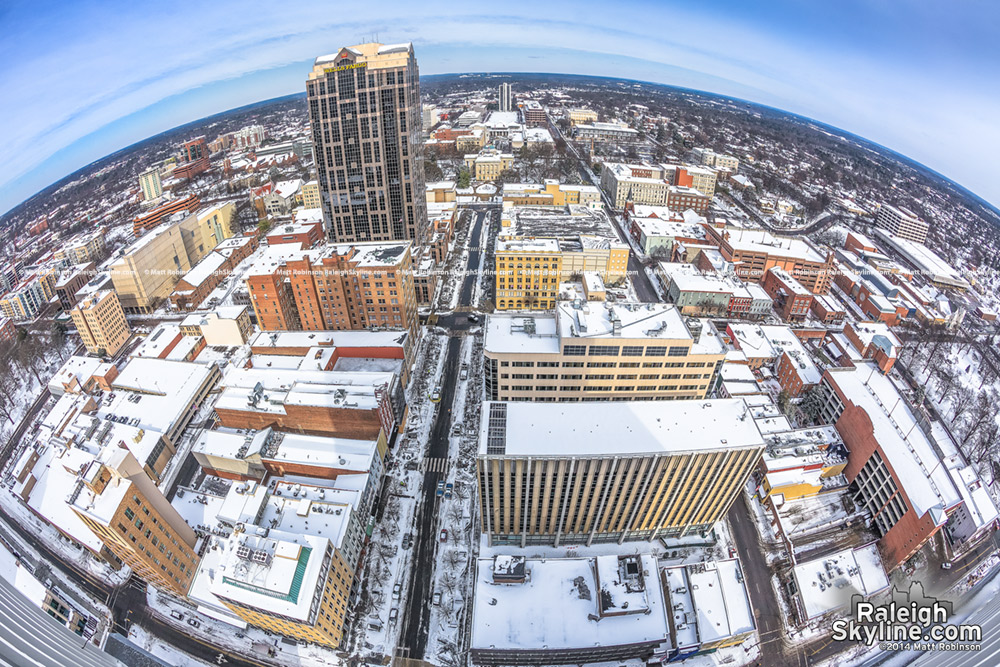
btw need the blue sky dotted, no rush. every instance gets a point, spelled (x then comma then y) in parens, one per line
(82, 79)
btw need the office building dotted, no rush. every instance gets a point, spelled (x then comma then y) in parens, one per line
(115, 498)
(505, 98)
(100, 321)
(151, 184)
(225, 326)
(654, 185)
(310, 195)
(365, 114)
(488, 164)
(710, 158)
(534, 114)
(581, 116)
(609, 472)
(145, 274)
(600, 352)
(902, 222)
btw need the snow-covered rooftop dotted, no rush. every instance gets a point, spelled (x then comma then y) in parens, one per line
(619, 428)
(558, 607)
(826, 584)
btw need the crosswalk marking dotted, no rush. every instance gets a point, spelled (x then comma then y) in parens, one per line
(434, 464)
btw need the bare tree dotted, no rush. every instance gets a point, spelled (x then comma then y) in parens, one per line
(982, 413)
(962, 403)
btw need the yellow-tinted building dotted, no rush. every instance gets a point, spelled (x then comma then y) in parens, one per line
(116, 499)
(206, 229)
(803, 462)
(608, 471)
(310, 194)
(101, 322)
(592, 351)
(550, 193)
(582, 116)
(473, 141)
(528, 273)
(28, 299)
(529, 269)
(151, 184)
(441, 192)
(488, 165)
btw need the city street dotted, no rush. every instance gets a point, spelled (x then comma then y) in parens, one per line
(417, 610)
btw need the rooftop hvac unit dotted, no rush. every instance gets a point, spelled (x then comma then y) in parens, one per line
(243, 552)
(262, 557)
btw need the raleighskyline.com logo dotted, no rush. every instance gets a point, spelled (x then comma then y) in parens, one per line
(908, 622)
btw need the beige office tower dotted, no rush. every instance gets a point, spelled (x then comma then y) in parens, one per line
(574, 473)
(101, 322)
(365, 113)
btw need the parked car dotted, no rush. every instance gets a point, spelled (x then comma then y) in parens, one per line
(444, 535)
(393, 614)
(397, 591)
(436, 396)
(457, 428)
(375, 624)
(440, 489)
(194, 623)
(473, 318)
(437, 599)
(407, 541)
(176, 614)
(448, 488)
(946, 565)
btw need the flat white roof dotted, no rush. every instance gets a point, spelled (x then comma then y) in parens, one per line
(558, 608)
(283, 581)
(620, 428)
(714, 606)
(829, 583)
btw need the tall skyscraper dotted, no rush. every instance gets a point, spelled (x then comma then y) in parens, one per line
(364, 108)
(506, 98)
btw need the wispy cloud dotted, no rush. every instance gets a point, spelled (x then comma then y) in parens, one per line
(85, 80)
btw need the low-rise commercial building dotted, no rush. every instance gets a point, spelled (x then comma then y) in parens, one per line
(550, 193)
(791, 299)
(556, 611)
